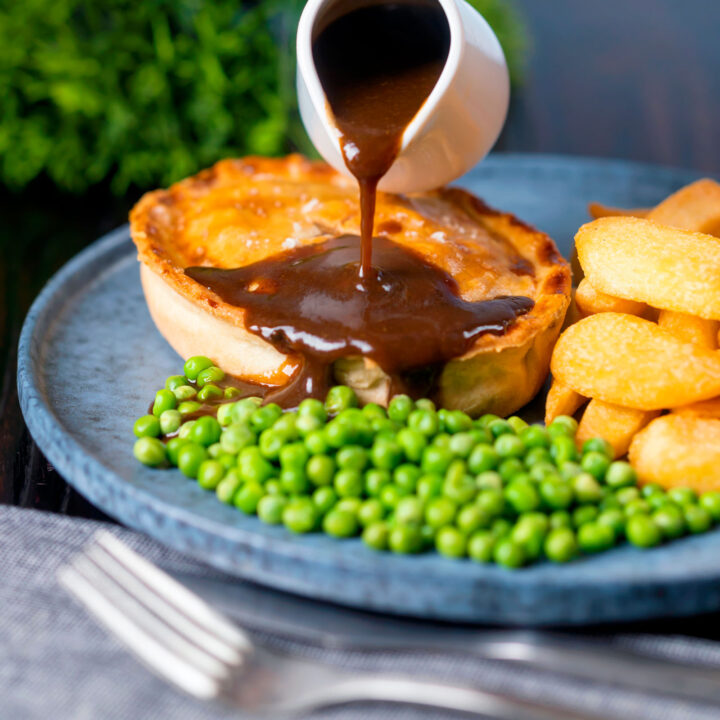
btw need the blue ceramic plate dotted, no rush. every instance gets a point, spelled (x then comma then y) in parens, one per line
(90, 358)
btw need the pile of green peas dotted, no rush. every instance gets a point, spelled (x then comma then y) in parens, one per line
(411, 477)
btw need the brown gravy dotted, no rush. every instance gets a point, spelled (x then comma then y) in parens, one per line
(410, 320)
(377, 65)
(366, 296)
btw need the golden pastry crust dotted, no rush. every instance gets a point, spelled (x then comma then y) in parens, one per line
(241, 211)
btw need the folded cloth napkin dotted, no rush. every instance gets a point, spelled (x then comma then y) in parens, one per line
(56, 662)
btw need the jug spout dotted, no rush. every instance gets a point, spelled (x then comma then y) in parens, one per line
(457, 124)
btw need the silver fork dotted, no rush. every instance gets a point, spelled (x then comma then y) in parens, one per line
(178, 636)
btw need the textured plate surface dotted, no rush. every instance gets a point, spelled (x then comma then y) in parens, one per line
(90, 359)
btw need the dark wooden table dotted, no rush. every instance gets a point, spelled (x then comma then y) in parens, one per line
(637, 80)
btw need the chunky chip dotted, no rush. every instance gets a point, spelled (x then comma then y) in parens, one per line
(617, 424)
(678, 450)
(703, 408)
(589, 301)
(639, 260)
(598, 210)
(561, 400)
(690, 328)
(694, 207)
(629, 361)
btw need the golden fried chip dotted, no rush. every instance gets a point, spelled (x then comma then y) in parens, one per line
(598, 210)
(690, 328)
(632, 362)
(617, 424)
(694, 207)
(639, 260)
(590, 301)
(561, 400)
(678, 450)
(703, 408)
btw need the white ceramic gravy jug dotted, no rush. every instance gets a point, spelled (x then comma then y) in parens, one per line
(457, 124)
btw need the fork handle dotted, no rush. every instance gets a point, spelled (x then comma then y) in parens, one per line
(399, 689)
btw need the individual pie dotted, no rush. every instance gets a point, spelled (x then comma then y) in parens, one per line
(243, 211)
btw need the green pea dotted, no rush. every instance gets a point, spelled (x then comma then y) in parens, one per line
(517, 424)
(338, 433)
(556, 494)
(522, 496)
(406, 477)
(273, 487)
(186, 429)
(459, 488)
(461, 444)
(316, 442)
(170, 421)
(339, 523)
(471, 518)
(584, 515)
(710, 500)
(413, 443)
(501, 528)
(436, 460)
(536, 456)
(652, 489)
(530, 536)
(173, 447)
(311, 407)
(188, 407)
(483, 458)
(670, 520)
(386, 454)
(294, 455)
(190, 457)
(286, 426)
(424, 421)
(508, 553)
(294, 481)
(457, 421)
(195, 365)
(400, 407)
(660, 500)
(348, 483)
(561, 519)
(210, 473)
(609, 500)
(405, 539)
(270, 444)
(375, 480)
(614, 518)
(300, 515)
(253, 466)
(485, 420)
(627, 494)
(227, 460)
(215, 450)
(570, 470)
(384, 427)
(620, 474)
(561, 545)
(429, 486)
(265, 417)
(243, 409)
(236, 437)
(164, 400)
(440, 512)
(593, 537)
(543, 470)
(352, 457)
(562, 449)
(149, 451)
(270, 509)
(697, 519)
(509, 446)
(146, 426)
(212, 374)
(535, 437)
(425, 404)
(225, 414)
(320, 470)
(596, 464)
(340, 398)
(642, 531)
(248, 497)
(306, 424)
(509, 468)
(491, 501)
(450, 542)
(175, 381)
(480, 546)
(409, 510)
(371, 511)
(373, 410)
(231, 392)
(587, 489)
(184, 392)
(598, 445)
(209, 392)
(563, 425)
(205, 431)
(376, 536)
(637, 506)
(324, 498)
(683, 496)
(228, 486)
(489, 479)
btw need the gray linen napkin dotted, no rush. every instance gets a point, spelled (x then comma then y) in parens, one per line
(55, 662)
